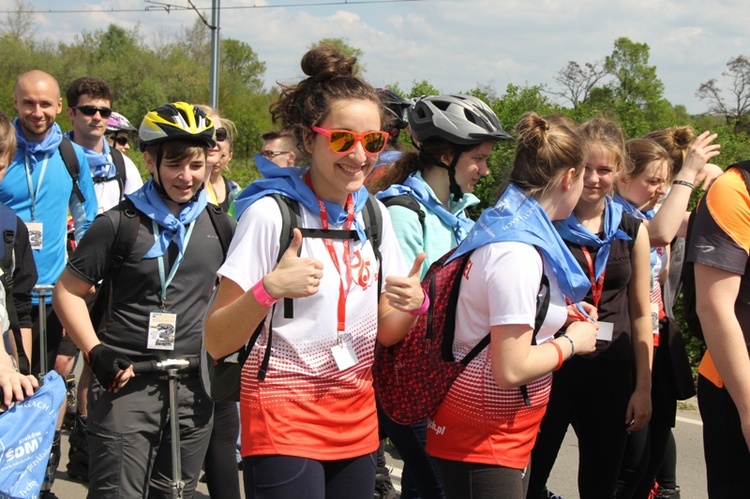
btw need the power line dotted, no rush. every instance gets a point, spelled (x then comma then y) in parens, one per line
(159, 6)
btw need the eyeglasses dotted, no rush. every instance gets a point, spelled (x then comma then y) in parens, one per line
(272, 154)
(343, 141)
(104, 112)
(121, 140)
(221, 134)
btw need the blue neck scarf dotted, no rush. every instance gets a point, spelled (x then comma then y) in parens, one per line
(417, 189)
(48, 145)
(289, 182)
(99, 163)
(519, 217)
(571, 230)
(630, 209)
(149, 202)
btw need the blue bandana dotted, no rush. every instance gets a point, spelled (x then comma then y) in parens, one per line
(643, 215)
(49, 145)
(417, 189)
(571, 230)
(99, 163)
(519, 217)
(149, 202)
(289, 182)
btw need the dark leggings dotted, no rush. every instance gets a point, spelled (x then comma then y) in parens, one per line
(482, 481)
(419, 478)
(667, 475)
(724, 445)
(221, 457)
(646, 448)
(593, 396)
(283, 477)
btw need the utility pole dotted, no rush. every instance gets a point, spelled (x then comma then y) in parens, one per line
(215, 40)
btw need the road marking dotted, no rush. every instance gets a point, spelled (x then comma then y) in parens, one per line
(689, 420)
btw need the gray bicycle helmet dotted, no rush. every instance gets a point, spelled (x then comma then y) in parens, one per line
(460, 119)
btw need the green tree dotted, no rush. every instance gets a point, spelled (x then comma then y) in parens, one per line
(421, 88)
(635, 82)
(239, 62)
(20, 23)
(736, 108)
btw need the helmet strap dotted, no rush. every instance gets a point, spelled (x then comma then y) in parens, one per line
(455, 189)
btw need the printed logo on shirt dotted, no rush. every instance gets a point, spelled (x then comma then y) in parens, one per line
(467, 269)
(362, 273)
(439, 430)
(705, 248)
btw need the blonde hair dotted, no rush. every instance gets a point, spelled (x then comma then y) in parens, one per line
(7, 137)
(676, 141)
(547, 146)
(608, 135)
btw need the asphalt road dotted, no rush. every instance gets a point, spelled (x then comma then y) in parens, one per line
(690, 466)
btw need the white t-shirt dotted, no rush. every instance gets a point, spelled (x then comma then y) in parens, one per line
(108, 193)
(478, 421)
(307, 406)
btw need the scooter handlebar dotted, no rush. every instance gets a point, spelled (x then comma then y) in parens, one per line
(156, 366)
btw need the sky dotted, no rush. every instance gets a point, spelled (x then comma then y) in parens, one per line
(454, 45)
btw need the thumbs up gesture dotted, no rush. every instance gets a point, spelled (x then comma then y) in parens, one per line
(405, 293)
(294, 277)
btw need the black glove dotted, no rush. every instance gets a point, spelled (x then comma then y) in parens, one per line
(107, 365)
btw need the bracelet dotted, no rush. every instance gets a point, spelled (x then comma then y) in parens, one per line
(559, 355)
(572, 345)
(262, 296)
(683, 182)
(425, 305)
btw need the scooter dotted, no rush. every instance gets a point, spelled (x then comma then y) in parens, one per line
(172, 369)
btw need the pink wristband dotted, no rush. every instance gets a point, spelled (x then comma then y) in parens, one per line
(262, 296)
(425, 305)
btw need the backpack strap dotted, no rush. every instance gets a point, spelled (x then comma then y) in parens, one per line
(121, 175)
(8, 222)
(122, 246)
(408, 202)
(69, 157)
(223, 228)
(373, 219)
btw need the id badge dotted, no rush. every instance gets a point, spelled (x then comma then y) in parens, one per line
(161, 330)
(36, 234)
(604, 333)
(655, 318)
(344, 355)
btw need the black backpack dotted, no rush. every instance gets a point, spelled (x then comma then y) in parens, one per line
(70, 160)
(125, 237)
(221, 377)
(688, 275)
(120, 174)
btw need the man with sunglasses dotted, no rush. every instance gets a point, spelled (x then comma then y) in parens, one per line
(42, 187)
(278, 147)
(89, 110)
(114, 175)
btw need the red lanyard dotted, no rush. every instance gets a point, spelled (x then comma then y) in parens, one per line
(332, 252)
(597, 285)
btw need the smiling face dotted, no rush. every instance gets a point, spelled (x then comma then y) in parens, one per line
(645, 189)
(335, 176)
(37, 101)
(181, 178)
(598, 175)
(472, 166)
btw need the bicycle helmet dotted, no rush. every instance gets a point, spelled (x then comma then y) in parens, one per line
(119, 123)
(176, 121)
(396, 106)
(460, 119)
(170, 122)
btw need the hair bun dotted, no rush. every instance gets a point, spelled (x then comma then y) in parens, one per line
(327, 62)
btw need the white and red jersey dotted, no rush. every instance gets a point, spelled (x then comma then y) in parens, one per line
(478, 421)
(306, 406)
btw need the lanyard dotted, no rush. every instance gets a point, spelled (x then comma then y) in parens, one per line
(597, 285)
(166, 282)
(341, 327)
(33, 194)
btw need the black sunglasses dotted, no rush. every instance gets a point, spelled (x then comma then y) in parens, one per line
(221, 134)
(121, 140)
(104, 112)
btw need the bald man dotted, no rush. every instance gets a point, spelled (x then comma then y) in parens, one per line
(39, 187)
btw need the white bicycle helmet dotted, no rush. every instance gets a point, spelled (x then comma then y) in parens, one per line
(119, 123)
